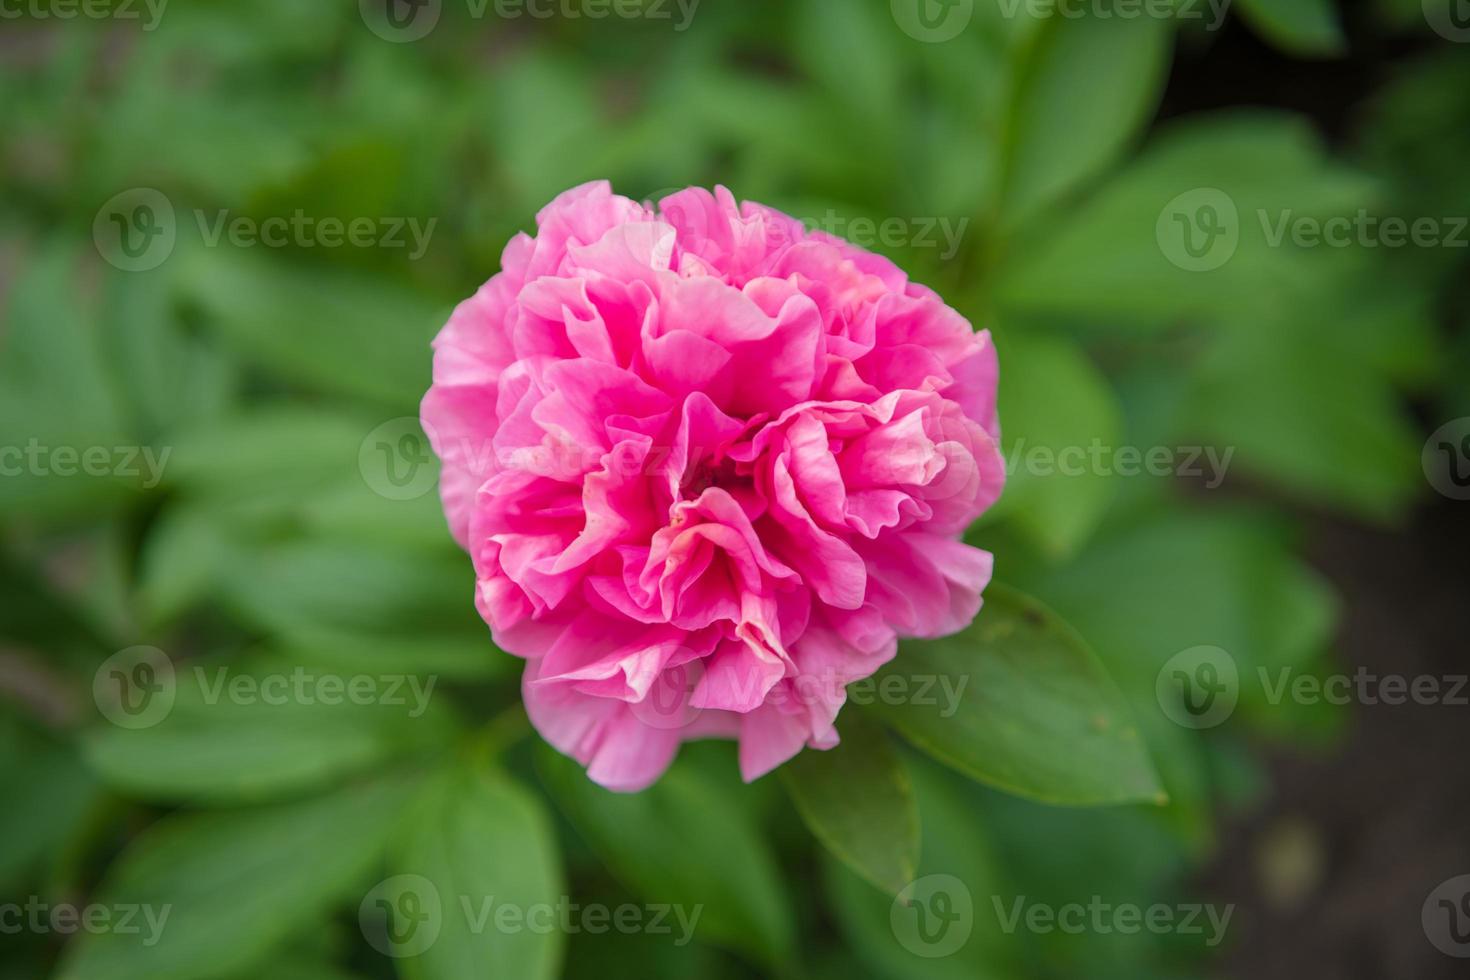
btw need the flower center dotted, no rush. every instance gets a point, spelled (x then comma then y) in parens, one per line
(709, 469)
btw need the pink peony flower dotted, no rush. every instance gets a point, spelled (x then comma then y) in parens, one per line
(709, 467)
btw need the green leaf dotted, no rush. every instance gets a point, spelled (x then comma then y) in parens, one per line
(788, 130)
(955, 845)
(59, 402)
(467, 655)
(1033, 711)
(1091, 86)
(830, 37)
(353, 510)
(54, 791)
(1253, 597)
(226, 889)
(858, 801)
(251, 476)
(1309, 415)
(34, 612)
(168, 378)
(274, 445)
(319, 584)
(484, 843)
(1301, 27)
(1415, 133)
(331, 330)
(546, 125)
(1119, 856)
(1112, 263)
(183, 557)
(223, 138)
(290, 966)
(683, 841)
(51, 346)
(290, 727)
(1057, 406)
(313, 953)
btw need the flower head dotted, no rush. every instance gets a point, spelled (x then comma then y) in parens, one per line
(709, 467)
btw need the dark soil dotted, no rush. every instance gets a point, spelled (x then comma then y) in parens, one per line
(1375, 825)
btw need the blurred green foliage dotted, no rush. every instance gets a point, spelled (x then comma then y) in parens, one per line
(266, 540)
